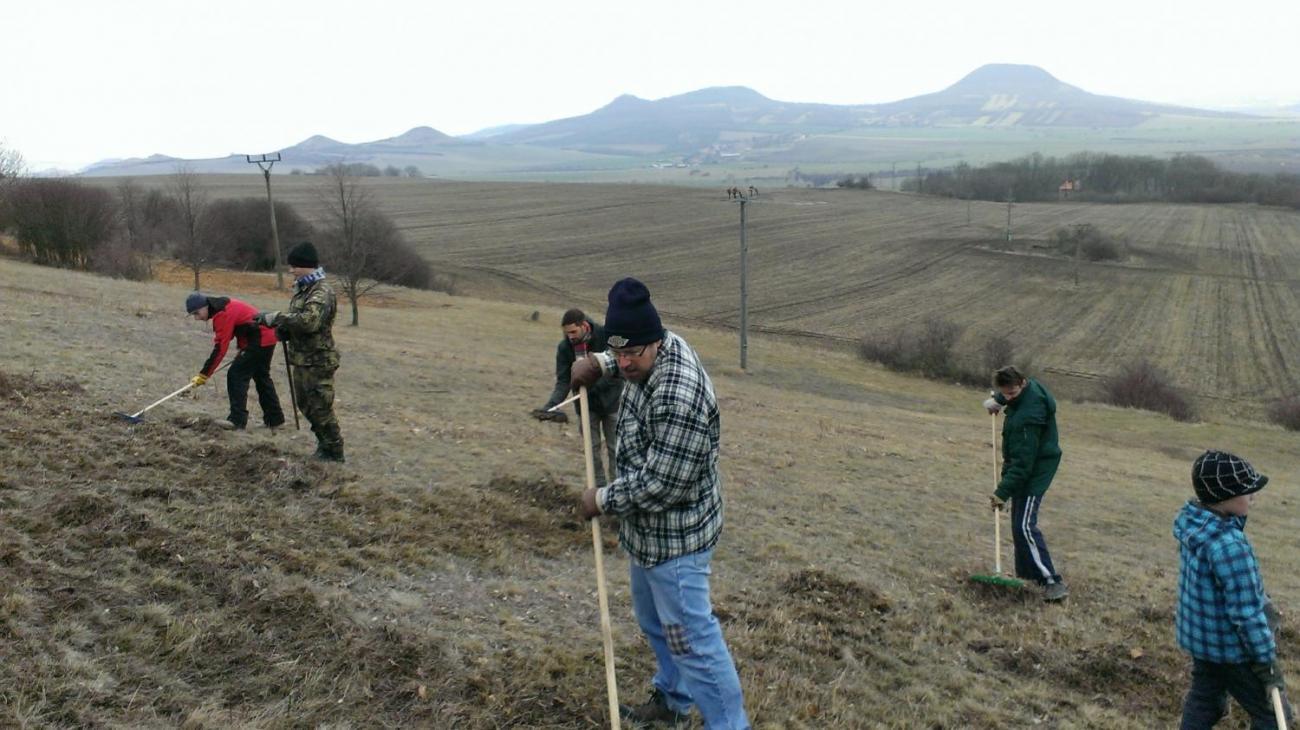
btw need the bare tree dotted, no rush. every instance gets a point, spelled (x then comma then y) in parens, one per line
(358, 237)
(11, 169)
(191, 205)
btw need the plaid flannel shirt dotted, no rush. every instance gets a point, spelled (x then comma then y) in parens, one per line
(1220, 594)
(667, 493)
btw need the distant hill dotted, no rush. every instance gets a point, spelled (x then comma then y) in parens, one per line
(736, 124)
(1010, 94)
(315, 151)
(684, 123)
(497, 131)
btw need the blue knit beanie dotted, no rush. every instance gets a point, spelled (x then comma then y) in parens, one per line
(194, 301)
(631, 318)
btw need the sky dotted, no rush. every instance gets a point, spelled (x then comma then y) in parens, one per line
(86, 80)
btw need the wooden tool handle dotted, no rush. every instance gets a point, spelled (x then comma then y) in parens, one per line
(607, 632)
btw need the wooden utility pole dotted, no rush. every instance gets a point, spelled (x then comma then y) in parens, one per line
(265, 163)
(1010, 199)
(744, 201)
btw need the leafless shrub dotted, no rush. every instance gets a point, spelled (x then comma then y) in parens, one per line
(1286, 413)
(927, 350)
(1141, 385)
(119, 259)
(239, 232)
(1090, 243)
(61, 222)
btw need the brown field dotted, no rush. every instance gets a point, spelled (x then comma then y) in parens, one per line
(173, 574)
(1205, 292)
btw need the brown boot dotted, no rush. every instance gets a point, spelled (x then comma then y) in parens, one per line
(653, 712)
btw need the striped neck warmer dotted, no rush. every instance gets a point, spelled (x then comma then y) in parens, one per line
(311, 278)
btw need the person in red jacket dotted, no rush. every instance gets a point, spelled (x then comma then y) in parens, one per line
(233, 318)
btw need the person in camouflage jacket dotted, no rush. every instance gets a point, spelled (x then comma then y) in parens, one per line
(307, 330)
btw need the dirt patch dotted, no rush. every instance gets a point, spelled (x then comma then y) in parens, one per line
(1117, 675)
(19, 387)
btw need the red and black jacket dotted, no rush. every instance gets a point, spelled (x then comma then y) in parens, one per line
(233, 318)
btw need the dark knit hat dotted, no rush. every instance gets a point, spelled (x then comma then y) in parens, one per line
(631, 318)
(1218, 475)
(304, 256)
(194, 301)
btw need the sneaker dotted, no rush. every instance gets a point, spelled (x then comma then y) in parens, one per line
(654, 711)
(1055, 592)
(226, 425)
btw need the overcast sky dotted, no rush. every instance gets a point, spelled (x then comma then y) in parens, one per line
(85, 80)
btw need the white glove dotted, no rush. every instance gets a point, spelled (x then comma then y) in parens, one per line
(992, 406)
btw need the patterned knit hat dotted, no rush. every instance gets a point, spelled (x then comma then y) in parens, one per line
(1218, 475)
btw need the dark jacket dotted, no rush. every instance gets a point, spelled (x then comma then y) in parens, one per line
(1031, 448)
(604, 395)
(308, 326)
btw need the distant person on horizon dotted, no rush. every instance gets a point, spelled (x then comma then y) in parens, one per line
(1031, 453)
(1225, 620)
(233, 319)
(667, 495)
(308, 330)
(582, 337)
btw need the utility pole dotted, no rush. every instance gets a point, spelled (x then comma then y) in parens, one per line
(744, 200)
(1078, 239)
(893, 176)
(265, 163)
(1010, 199)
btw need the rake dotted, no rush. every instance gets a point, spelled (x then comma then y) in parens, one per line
(137, 417)
(997, 578)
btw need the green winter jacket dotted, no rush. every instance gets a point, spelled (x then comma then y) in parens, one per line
(1031, 449)
(309, 326)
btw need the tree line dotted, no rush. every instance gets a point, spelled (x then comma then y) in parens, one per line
(122, 231)
(1110, 178)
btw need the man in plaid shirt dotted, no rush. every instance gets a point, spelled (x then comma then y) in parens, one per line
(1225, 620)
(667, 496)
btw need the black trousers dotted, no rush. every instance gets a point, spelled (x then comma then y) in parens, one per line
(253, 364)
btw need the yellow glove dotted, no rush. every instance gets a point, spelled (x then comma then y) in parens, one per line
(198, 380)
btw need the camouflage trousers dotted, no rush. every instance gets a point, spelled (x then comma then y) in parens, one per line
(314, 389)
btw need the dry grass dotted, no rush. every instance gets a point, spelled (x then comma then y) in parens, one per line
(173, 574)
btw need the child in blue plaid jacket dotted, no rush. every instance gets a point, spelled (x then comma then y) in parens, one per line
(1225, 620)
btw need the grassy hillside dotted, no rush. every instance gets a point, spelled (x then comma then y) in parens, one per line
(177, 574)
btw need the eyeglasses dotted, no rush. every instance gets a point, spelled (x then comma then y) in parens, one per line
(628, 352)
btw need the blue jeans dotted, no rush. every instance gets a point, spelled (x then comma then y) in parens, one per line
(671, 601)
(1207, 699)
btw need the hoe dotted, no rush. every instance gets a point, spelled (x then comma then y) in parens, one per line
(138, 416)
(997, 578)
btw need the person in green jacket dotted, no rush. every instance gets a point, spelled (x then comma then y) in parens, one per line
(1031, 452)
